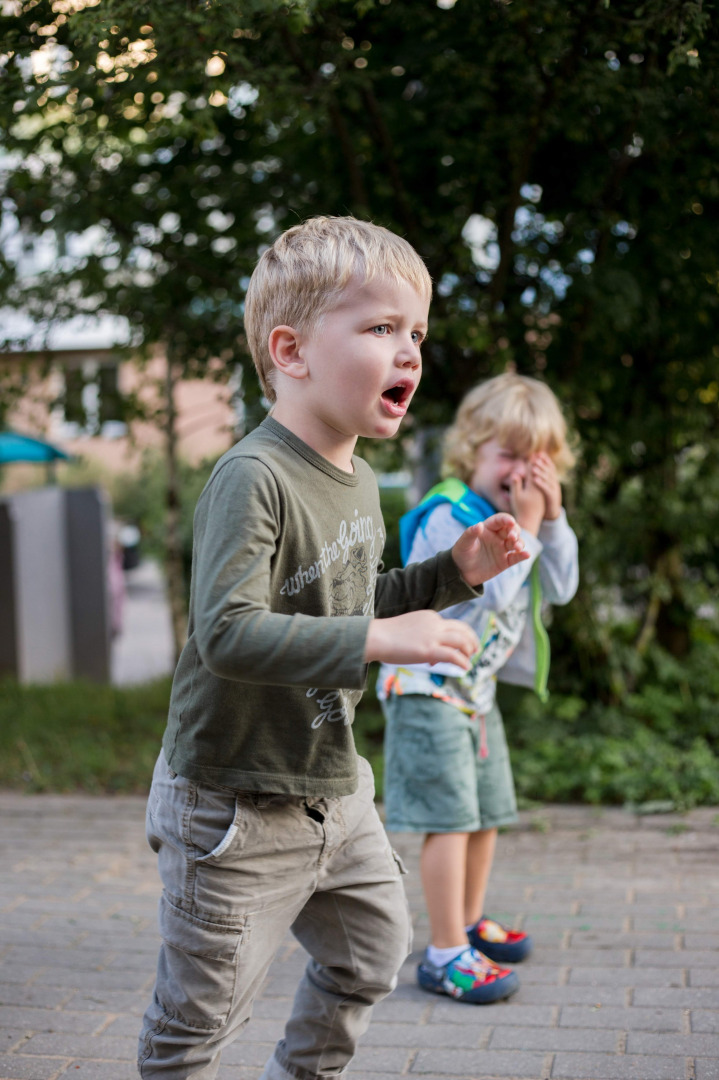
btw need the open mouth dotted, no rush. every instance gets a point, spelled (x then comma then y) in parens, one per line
(396, 398)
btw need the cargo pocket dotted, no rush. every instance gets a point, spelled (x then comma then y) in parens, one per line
(403, 871)
(398, 862)
(198, 966)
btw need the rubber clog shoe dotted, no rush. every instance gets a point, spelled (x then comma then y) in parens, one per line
(498, 943)
(470, 977)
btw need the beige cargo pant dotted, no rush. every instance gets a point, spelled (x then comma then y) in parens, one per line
(239, 870)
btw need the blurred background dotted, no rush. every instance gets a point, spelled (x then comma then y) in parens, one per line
(557, 166)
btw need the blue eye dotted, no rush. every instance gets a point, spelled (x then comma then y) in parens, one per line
(380, 330)
(416, 337)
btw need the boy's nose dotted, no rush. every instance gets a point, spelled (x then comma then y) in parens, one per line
(408, 355)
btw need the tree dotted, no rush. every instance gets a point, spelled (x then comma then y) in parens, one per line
(554, 164)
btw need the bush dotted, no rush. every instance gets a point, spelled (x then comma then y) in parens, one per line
(660, 745)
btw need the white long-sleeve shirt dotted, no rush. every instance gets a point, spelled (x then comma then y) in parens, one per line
(499, 617)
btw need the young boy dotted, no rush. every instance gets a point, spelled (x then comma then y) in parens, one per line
(260, 811)
(447, 769)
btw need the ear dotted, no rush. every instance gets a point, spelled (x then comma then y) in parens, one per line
(285, 352)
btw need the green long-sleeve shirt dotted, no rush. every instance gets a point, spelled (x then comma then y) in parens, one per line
(285, 579)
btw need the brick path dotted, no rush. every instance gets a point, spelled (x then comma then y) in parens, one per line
(623, 984)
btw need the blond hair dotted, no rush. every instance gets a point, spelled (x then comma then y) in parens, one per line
(521, 413)
(303, 274)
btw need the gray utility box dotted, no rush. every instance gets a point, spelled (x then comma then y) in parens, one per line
(54, 598)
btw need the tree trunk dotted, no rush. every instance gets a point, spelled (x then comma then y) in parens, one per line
(173, 544)
(674, 617)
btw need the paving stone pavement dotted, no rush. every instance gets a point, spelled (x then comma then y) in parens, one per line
(623, 983)
(144, 649)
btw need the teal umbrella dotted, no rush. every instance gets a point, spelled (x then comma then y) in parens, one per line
(16, 447)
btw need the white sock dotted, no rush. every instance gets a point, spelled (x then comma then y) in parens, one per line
(440, 957)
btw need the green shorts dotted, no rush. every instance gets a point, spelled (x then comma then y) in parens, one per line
(437, 778)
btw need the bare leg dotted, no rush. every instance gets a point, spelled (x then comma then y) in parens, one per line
(480, 855)
(443, 865)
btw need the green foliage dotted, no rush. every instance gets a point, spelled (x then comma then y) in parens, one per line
(660, 743)
(80, 736)
(605, 770)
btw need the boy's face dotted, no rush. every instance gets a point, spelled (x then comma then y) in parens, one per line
(494, 467)
(363, 363)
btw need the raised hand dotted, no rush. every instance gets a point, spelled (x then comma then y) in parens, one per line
(544, 477)
(486, 549)
(421, 637)
(528, 502)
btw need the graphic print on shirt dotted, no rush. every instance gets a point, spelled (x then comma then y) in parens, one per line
(503, 632)
(361, 533)
(506, 630)
(357, 549)
(349, 586)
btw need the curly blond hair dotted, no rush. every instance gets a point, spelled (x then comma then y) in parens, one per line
(520, 412)
(303, 274)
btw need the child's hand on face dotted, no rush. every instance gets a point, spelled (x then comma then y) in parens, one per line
(529, 504)
(544, 476)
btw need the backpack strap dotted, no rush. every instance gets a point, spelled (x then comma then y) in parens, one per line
(467, 507)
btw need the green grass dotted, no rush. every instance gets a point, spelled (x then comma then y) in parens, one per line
(103, 739)
(80, 736)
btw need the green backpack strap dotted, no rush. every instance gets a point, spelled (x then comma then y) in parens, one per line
(541, 637)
